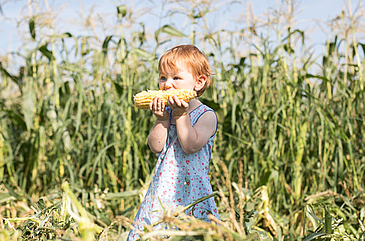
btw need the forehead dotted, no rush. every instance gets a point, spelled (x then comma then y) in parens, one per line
(169, 67)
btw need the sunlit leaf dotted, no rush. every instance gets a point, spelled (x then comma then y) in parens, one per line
(29, 99)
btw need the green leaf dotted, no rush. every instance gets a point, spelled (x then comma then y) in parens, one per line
(327, 221)
(126, 194)
(172, 31)
(66, 138)
(119, 89)
(44, 50)
(32, 27)
(73, 68)
(252, 236)
(313, 236)
(316, 76)
(14, 78)
(6, 197)
(62, 36)
(264, 179)
(29, 99)
(106, 43)
(363, 46)
(168, 29)
(16, 119)
(80, 90)
(142, 53)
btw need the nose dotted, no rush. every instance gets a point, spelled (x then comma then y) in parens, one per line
(168, 83)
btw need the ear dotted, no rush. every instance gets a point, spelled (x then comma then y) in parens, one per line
(200, 82)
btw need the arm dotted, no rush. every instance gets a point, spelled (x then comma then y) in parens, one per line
(158, 135)
(192, 138)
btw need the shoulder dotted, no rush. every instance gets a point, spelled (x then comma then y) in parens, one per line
(204, 110)
(206, 117)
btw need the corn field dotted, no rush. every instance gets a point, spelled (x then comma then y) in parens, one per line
(289, 157)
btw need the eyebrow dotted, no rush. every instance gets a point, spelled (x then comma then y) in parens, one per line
(172, 73)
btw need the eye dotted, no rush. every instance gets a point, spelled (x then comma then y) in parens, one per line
(176, 78)
(162, 78)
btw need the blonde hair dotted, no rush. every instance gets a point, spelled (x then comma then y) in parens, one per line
(192, 57)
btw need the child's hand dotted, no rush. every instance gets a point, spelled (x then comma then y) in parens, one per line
(179, 107)
(158, 109)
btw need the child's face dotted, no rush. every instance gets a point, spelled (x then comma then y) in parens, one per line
(180, 79)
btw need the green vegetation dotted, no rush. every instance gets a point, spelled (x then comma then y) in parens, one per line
(288, 163)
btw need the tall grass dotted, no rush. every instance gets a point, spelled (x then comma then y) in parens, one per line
(290, 139)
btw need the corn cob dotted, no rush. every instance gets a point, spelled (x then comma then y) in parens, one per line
(144, 98)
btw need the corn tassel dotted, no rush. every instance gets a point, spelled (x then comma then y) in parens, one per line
(144, 98)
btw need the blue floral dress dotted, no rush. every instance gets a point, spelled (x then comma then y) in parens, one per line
(179, 180)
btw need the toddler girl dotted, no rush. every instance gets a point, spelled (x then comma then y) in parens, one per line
(183, 136)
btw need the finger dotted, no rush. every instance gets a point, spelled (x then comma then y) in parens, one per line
(184, 104)
(176, 100)
(171, 101)
(159, 104)
(150, 105)
(155, 102)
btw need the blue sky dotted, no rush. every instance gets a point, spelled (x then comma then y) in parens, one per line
(311, 16)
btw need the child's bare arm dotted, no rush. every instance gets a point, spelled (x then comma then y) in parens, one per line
(192, 138)
(157, 137)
